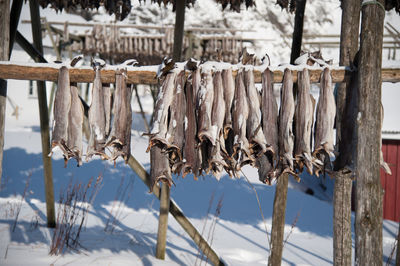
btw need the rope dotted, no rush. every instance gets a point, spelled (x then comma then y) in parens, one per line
(373, 2)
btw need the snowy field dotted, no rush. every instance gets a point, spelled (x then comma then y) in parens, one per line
(121, 224)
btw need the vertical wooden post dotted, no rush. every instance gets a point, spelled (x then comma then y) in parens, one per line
(398, 247)
(14, 20)
(278, 221)
(4, 45)
(369, 194)
(44, 118)
(343, 184)
(280, 198)
(179, 28)
(298, 30)
(163, 222)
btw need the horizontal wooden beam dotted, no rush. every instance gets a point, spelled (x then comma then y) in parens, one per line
(147, 74)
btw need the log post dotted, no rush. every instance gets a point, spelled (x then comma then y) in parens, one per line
(278, 220)
(44, 118)
(398, 247)
(14, 20)
(163, 221)
(343, 183)
(369, 193)
(298, 30)
(179, 28)
(4, 53)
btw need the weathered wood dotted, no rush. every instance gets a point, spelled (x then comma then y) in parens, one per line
(278, 220)
(147, 75)
(44, 119)
(342, 242)
(398, 247)
(14, 19)
(178, 32)
(163, 221)
(4, 53)
(368, 225)
(298, 30)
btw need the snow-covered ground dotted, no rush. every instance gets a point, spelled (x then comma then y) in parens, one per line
(238, 234)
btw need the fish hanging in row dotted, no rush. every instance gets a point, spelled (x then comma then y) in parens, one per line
(68, 117)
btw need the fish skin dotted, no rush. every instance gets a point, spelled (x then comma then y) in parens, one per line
(159, 167)
(304, 122)
(229, 93)
(62, 105)
(120, 135)
(324, 125)
(267, 163)
(75, 117)
(97, 120)
(161, 110)
(285, 132)
(254, 129)
(240, 114)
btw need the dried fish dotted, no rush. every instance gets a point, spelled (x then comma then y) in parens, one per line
(191, 154)
(304, 122)
(325, 120)
(159, 167)
(206, 133)
(75, 123)
(62, 105)
(161, 112)
(268, 161)
(175, 134)
(285, 132)
(254, 128)
(97, 118)
(120, 135)
(240, 114)
(217, 163)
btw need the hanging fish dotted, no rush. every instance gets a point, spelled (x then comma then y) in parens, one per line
(240, 114)
(217, 163)
(254, 127)
(285, 132)
(191, 154)
(120, 135)
(159, 167)
(206, 133)
(324, 124)
(268, 161)
(304, 122)
(75, 122)
(161, 111)
(176, 130)
(62, 105)
(97, 117)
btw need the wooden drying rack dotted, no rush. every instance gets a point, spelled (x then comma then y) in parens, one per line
(147, 74)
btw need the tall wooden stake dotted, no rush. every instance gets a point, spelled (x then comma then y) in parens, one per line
(14, 20)
(280, 198)
(343, 183)
(44, 118)
(368, 239)
(4, 45)
(179, 28)
(278, 220)
(163, 222)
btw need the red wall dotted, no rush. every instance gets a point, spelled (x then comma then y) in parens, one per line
(391, 183)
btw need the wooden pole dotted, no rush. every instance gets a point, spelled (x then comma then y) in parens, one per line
(278, 221)
(4, 53)
(146, 124)
(298, 30)
(14, 19)
(178, 32)
(44, 118)
(342, 242)
(163, 222)
(147, 75)
(369, 209)
(398, 247)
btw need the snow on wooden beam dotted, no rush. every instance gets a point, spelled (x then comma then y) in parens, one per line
(147, 74)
